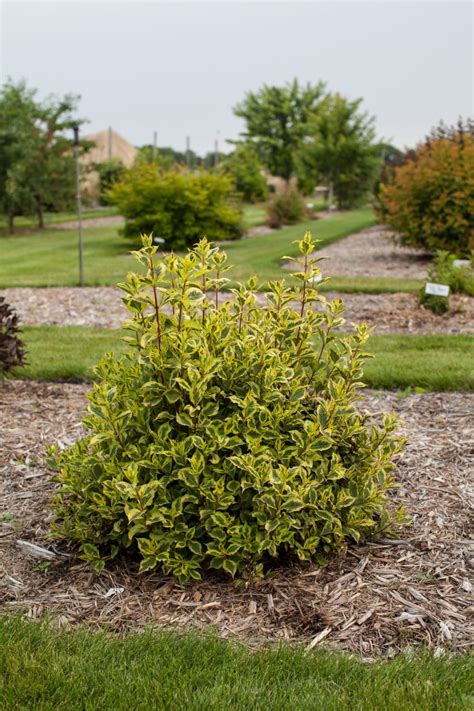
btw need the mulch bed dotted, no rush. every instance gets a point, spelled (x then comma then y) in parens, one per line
(102, 306)
(373, 252)
(374, 599)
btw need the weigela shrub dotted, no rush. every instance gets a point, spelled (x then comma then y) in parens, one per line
(430, 203)
(286, 208)
(228, 435)
(177, 206)
(12, 352)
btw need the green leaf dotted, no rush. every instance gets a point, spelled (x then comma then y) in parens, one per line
(230, 566)
(219, 519)
(195, 547)
(293, 505)
(147, 564)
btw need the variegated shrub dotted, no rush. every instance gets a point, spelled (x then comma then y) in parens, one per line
(229, 433)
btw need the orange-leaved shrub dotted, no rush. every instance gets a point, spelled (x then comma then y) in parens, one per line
(430, 202)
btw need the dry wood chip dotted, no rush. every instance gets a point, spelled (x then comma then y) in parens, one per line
(252, 607)
(363, 618)
(319, 638)
(35, 551)
(418, 579)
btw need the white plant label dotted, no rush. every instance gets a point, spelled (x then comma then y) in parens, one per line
(458, 263)
(436, 289)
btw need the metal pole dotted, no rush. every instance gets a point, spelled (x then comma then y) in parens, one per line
(188, 152)
(155, 142)
(216, 150)
(109, 144)
(79, 205)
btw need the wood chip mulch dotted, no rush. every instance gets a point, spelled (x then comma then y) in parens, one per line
(374, 600)
(102, 307)
(373, 252)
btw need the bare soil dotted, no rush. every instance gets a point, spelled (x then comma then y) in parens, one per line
(102, 307)
(374, 599)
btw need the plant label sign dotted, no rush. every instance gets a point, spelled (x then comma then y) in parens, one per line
(458, 263)
(436, 289)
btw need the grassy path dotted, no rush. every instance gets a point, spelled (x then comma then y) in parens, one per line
(56, 218)
(50, 258)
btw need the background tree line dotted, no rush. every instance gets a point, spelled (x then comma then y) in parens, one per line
(37, 169)
(302, 134)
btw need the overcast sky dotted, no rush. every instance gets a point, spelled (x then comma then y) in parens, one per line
(179, 68)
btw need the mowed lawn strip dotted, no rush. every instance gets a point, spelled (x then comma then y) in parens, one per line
(254, 215)
(44, 668)
(54, 218)
(50, 258)
(433, 362)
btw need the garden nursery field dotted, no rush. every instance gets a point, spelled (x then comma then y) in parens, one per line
(236, 413)
(408, 590)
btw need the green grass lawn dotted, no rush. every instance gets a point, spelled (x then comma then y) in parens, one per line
(254, 215)
(53, 218)
(262, 255)
(45, 669)
(50, 258)
(431, 362)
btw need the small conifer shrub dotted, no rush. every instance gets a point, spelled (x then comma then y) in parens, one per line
(229, 434)
(12, 353)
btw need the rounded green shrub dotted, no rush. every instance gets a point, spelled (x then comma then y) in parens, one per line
(177, 206)
(445, 270)
(286, 208)
(110, 173)
(229, 434)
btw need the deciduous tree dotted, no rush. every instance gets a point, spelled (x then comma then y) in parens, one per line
(276, 120)
(340, 150)
(37, 169)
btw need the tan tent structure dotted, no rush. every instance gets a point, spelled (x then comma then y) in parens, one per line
(109, 145)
